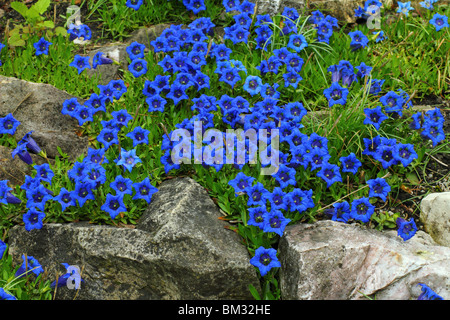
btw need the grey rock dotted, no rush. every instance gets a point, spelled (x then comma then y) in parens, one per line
(38, 108)
(435, 216)
(332, 260)
(179, 250)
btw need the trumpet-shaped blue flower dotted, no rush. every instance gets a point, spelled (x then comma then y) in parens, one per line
(265, 259)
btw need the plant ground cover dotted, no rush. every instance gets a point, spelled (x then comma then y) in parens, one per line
(414, 57)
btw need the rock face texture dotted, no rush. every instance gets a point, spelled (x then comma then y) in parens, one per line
(38, 108)
(435, 216)
(332, 260)
(178, 250)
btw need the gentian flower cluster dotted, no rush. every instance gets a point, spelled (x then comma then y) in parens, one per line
(324, 25)
(79, 31)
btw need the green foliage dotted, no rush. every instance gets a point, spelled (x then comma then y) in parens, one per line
(35, 23)
(29, 287)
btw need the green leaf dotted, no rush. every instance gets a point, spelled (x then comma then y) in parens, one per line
(16, 41)
(412, 178)
(60, 31)
(49, 24)
(20, 8)
(41, 6)
(254, 292)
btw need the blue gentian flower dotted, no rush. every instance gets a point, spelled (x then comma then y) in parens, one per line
(44, 173)
(5, 295)
(427, 4)
(122, 117)
(4, 189)
(3, 248)
(243, 20)
(107, 92)
(156, 103)
(230, 76)
(241, 183)
(387, 155)
(380, 36)
(379, 188)
(285, 176)
(38, 197)
(136, 50)
(358, 40)
(363, 70)
(97, 103)
(138, 67)
(428, 294)
(42, 46)
(108, 137)
(277, 199)
(122, 185)
(316, 17)
(22, 152)
(336, 94)
(139, 136)
(253, 85)
(275, 222)
(231, 5)
(291, 78)
(299, 200)
(247, 7)
(393, 102)
(258, 216)
(439, 21)
(371, 146)
(317, 157)
(236, 34)
(29, 264)
(362, 210)
(262, 20)
(128, 159)
(265, 259)
(404, 7)
(434, 116)
(329, 173)
(195, 5)
(433, 132)
(406, 229)
(83, 114)
(257, 195)
(177, 93)
(82, 193)
(114, 205)
(80, 63)
(33, 219)
(100, 59)
(144, 190)
(119, 88)
(405, 153)
(134, 4)
(374, 117)
(62, 280)
(8, 124)
(350, 163)
(95, 175)
(297, 42)
(65, 199)
(340, 212)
